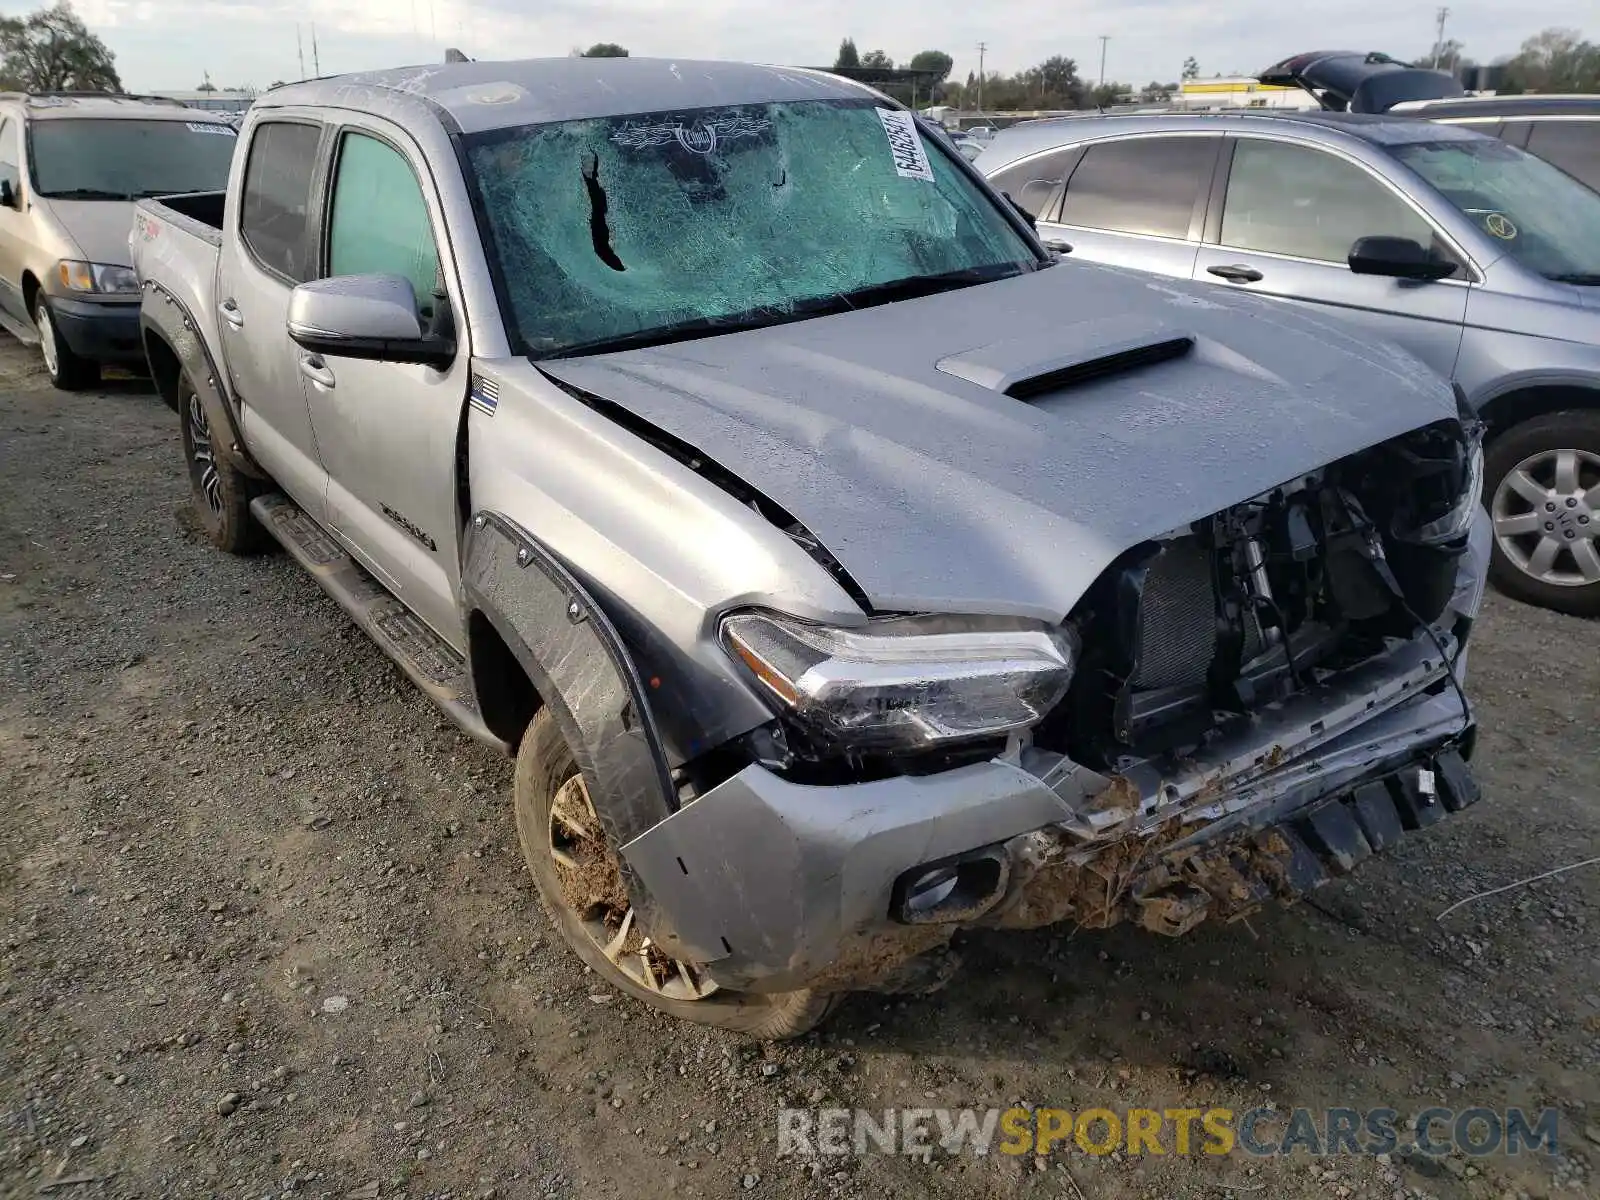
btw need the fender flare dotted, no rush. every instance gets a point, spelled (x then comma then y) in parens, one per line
(168, 317)
(582, 672)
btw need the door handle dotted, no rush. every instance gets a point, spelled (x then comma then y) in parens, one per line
(231, 314)
(314, 369)
(1235, 273)
(1059, 246)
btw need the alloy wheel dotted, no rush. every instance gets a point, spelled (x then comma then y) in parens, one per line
(1546, 516)
(204, 465)
(592, 886)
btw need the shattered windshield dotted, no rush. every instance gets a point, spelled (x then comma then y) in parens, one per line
(1539, 214)
(636, 230)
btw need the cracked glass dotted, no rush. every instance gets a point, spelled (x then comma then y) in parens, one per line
(635, 230)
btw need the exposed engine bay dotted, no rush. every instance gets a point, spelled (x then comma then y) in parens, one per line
(1249, 606)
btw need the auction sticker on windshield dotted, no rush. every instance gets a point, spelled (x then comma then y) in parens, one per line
(209, 127)
(905, 144)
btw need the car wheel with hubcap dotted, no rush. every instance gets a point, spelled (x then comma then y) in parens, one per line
(220, 491)
(1543, 485)
(67, 370)
(579, 878)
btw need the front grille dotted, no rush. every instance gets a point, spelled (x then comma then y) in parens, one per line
(1176, 635)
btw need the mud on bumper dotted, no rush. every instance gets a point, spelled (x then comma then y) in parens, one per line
(775, 885)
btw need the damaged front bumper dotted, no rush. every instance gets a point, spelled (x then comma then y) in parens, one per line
(774, 885)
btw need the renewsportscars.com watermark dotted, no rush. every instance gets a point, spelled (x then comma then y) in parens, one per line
(1261, 1132)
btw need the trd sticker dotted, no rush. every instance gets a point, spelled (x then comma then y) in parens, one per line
(905, 145)
(209, 127)
(703, 137)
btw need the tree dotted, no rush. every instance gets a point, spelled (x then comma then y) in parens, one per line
(1059, 85)
(848, 56)
(1557, 60)
(1156, 92)
(1191, 69)
(52, 50)
(936, 61)
(605, 50)
(877, 60)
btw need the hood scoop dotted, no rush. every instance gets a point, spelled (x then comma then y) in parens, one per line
(1079, 353)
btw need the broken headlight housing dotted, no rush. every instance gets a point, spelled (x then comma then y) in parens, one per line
(905, 683)
(1455, 498)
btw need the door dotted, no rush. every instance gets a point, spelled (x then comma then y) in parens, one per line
(1034, 184)
(388, 431)
(269, 250)
(13, 223)
(1137, 202)
(1290, 215)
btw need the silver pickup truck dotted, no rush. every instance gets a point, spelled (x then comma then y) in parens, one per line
(843, 571)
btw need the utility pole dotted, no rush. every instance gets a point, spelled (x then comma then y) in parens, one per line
(1104, 38)
(1438, 42)
(982, 49)
(316, 61)
(300, 49)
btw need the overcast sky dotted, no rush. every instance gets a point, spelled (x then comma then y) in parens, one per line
(167, 44)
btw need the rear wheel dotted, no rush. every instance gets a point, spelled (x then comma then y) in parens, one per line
(579, 879)
(220, 491)
(67, 370)
(1543, 487)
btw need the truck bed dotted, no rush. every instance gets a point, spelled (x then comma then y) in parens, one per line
(174, 245)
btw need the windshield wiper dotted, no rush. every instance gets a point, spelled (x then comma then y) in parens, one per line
(683, 331)
(1581, 278)
(815, 306)
(86, 194)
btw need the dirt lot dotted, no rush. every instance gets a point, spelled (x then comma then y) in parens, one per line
(265, 929)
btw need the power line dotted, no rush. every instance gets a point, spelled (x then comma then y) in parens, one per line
(1438, 43)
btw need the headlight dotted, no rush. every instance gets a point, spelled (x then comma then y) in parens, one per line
(905, 683)
(1448, 518)
(100, 278)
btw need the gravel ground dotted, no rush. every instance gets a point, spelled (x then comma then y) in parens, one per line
(265, 929)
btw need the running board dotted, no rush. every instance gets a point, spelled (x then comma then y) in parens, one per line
(21, 330)
(426, 658)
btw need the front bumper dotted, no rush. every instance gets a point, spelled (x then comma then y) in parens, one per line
(101, 331)
(775, 885)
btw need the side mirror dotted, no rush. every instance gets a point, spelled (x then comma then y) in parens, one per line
(365, 316)
(1397, 258)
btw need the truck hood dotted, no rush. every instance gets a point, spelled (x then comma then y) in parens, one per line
(1147, 404)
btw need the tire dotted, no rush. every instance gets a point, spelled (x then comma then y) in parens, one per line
(67, 370)
(545, 765)
(221, 493)
(1542, 489)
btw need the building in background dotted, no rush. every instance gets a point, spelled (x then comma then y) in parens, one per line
(1239, 91)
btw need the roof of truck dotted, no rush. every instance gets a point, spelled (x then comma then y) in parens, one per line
(478, 96)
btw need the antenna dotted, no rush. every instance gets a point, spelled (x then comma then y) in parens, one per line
(300, 49)
(316, 62)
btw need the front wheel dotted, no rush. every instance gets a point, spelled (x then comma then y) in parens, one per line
(1542, 481)
(68, 371)
(579, 878)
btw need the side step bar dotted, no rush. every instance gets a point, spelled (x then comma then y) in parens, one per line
(429, 661)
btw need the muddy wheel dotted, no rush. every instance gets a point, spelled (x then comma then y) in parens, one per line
(579, 879)
(221, 493)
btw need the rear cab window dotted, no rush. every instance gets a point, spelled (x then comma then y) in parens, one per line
(275, 205)
(84, 158)
(1146, 185)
